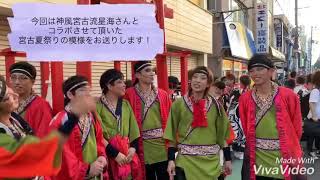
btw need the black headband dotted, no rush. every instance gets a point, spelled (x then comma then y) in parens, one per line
(259, 65)
(260, 61)
(143, 66)
(202, 71)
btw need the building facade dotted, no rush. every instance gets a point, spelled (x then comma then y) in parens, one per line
(233, 42)
(190, 29)
(234, 36)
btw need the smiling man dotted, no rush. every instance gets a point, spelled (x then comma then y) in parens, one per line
(119, 127)
(83, 156)
(271, 120)
(34, 109)
(197, 128)
(151, 108)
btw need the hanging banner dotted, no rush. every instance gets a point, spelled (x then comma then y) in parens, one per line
(240, 40)
(262, 29)
(54, 32)
(278, 28)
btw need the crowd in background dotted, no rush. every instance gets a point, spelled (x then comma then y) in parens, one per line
(136, 130)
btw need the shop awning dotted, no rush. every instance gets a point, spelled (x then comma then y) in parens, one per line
(239, 39)
(277, 55)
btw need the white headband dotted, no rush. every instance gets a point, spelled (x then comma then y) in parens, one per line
(78, 84)
(23, 71)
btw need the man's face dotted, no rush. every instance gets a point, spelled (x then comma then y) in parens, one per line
(118, 88)
(83, 95)
(146, 75)
(21, 83)
(261, 75)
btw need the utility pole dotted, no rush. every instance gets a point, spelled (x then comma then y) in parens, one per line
(296, 39)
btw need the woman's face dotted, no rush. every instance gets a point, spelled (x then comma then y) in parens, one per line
(83, 97)
(10, 101)
(199, 82)
(118, 88)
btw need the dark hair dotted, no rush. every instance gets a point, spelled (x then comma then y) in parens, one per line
(190, 73)
(201, 69)
(223, 79)
(260, 60)
(67, 84)
(231, 77)
(3, 88)
(128, 83)
(32, 72)
(291, 84)
(245, 80)
(109, 77)
(309, 78)
(293, 74)
(220, 85)
(316, 79)
(173, 82)
(301, 80)
(139, 65)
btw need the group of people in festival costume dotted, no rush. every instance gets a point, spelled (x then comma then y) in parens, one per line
(138, 133)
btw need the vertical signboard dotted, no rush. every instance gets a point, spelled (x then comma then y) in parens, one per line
(278, 28)
(262, 29)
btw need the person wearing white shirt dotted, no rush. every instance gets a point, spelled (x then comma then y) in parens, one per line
(300, 84)
(314, 100)
(314, 114)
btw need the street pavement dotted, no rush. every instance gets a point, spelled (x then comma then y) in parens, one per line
(237, 164)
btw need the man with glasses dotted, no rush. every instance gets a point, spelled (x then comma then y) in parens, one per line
(33, 108)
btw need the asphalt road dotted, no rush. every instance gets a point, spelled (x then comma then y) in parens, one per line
(237, 164)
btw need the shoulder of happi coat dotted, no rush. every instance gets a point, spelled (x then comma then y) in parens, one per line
(287, 94)
(246, 96)
(40, 102)
(162, 92)
(125, 101)
(59, 118)
(129, 94)
(178, 103)
(130, 90)
(126, 104)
